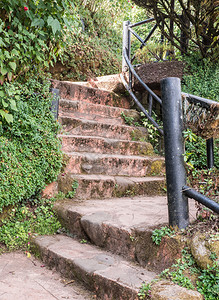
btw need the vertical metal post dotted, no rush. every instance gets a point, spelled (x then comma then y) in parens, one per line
(210, 153)
(174, 149)
(126, 44)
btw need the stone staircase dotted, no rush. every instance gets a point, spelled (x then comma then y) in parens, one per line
(119, 199)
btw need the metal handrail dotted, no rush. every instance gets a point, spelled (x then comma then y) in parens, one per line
(196, 99)
(177, 190)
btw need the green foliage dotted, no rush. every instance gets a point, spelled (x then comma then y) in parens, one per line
(30, 34)
(196, 152)
(159, 233)
(201, 77)
(26, 220)
(207, 281)
(128, 120)
(153, 51)
(30, 152)
(205, 181)
(154, 136)
(145, 291)
(96, 48)
(72, 193)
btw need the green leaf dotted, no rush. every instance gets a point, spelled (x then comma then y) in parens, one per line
(13, 105)
(12, 65)
(7, 54)
(5, 104)
(3, 71)
(9, 76)
(9, 118)
(54, 23)
(2, 93)
(38, 22)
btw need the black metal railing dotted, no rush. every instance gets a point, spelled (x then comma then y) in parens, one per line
(172, 117)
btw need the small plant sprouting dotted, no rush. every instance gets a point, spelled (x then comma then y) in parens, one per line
(159, 233)
(132, 238)
(83, 241)
(72, 193)
(145, 291)
(128, 120)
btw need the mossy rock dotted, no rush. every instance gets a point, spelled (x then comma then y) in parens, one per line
(202, 248)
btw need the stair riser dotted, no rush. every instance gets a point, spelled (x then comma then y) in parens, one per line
(104, 286)
(91, 109)
(114, 166)
(108, 188)
(95, 145)
(73, 91)
(104, 230)
(126, 243)
(77, 127)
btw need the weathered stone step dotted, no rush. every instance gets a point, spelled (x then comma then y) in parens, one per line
(124, 226)
(74, 143)
(74, 91)
(108, 275)
(103, 186)
(108, 164)
(77, 126)
(83, 108)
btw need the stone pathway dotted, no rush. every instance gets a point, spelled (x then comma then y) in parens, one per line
(23, 278)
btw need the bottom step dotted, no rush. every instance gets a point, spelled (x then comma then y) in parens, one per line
(106, 274)
(110, 277)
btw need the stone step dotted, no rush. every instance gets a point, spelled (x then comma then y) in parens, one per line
(104, 186)
(124, 226)
(77, 126)
(74, 143)
(83, 108)
(112, 83)
(108, 164)
(108, 275)
(73, 91)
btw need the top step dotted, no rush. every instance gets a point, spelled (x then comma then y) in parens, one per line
(73, 91)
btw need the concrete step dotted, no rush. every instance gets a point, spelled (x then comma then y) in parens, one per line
(109, 82)
(104, 186)
(108, 164)
(77, 126)
(73, 91)
(74, 143)
(124, 226)
(108, 275)
(83, 108)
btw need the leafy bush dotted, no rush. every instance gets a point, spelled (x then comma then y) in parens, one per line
(182, 272)
(159, 233)
(201, 77)
(30, 152)
(26, 220)
(30, 33)
(31, 36)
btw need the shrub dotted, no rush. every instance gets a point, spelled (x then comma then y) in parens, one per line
(26, 220)
(30, 34)
(30, 152)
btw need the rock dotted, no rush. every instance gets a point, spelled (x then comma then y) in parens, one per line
(50, 190)
(166, 290)
(202, 247)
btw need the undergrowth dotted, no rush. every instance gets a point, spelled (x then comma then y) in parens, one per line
(26, 220)
(187, 274)
(30, 152)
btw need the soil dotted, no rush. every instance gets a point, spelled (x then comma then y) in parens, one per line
(152, 73)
